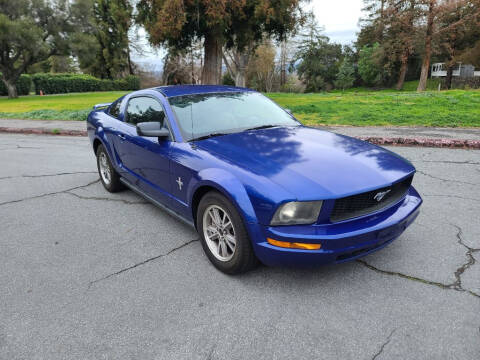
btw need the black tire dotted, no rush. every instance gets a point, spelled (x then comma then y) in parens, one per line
(114, 185)
(243, 258)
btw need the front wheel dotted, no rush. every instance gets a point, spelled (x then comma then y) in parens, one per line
(223, 235)
(109, 177)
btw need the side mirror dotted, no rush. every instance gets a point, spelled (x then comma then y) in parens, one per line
(152, 129)
(289, 112)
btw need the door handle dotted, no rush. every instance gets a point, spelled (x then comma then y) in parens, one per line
(121, 136)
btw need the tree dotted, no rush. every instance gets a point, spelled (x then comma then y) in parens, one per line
(30, 31)
(457, 29)
(369, 68)
(234, 23)
(176, 68)
(346, 75)
(112, 21)
(372, 26)
(430, 14)
(392, 24)
(237, 63)
(471, 55)
(84, 44)
(318, 59)
(400, 35)
(262, 69)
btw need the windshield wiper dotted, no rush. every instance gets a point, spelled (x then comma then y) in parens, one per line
(208, 136)
(261, 127)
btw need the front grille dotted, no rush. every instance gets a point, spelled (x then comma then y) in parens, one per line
(366, 203)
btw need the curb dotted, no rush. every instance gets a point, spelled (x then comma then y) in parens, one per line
(43, 131)
(423, 142)
(394, 141)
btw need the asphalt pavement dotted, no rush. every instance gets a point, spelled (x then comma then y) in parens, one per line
(85, 274)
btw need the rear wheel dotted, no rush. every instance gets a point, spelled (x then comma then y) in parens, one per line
(223, 235)
(109, 177)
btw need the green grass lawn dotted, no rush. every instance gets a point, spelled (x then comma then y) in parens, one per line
(357, 107)
(75, 106)
(454, 108)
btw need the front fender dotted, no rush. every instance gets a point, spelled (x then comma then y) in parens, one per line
(233, 189)
(101, 136)
(226, 183)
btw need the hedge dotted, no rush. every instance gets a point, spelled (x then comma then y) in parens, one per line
(67, 83)
(24, 84)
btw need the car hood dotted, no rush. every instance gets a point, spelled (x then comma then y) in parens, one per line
(310, 163)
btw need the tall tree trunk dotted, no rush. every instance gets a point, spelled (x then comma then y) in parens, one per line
(219, 66)
(211, 73)
(408, 47)
(403, 73)
(11, 87)
(238, 64)
(381, 25)
(240, 78)
(448, 78)
(241, 75)
(283, 63)
(422, 84)
(129, 61)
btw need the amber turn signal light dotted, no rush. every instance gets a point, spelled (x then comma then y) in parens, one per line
(293, 245)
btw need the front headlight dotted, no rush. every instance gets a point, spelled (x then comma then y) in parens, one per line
(297, 213)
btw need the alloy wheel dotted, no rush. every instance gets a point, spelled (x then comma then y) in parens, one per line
(219, 233)
(104, 168)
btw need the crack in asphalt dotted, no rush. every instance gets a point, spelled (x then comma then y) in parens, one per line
(49, 194)
(471, 260)
(210, 354)
(404, 276)
(387, 341)
(456, 285)
(48, 175)
(128, 202)
(140, 263)
(445, 180)
(21, 147)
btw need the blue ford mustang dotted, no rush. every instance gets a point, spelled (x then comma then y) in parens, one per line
(254, 182)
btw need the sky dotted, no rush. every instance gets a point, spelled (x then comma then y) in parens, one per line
(339, 18)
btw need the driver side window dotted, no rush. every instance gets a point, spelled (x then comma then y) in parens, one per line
(145, 109)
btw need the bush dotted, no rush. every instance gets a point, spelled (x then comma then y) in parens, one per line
(369, 67)
(345, 76)
(293, 85)
(228, 80)
(24, 84)
(67, 83)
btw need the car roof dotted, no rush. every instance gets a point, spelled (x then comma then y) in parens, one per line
(180, 90)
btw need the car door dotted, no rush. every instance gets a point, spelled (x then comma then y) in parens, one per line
(145, 160)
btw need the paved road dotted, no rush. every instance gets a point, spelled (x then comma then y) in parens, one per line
(89, 275)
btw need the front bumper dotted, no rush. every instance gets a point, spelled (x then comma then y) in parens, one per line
(343, 241)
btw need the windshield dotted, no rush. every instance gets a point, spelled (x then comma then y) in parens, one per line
(222, 113)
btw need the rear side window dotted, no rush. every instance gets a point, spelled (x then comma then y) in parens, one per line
(115, 109)
(144, 109)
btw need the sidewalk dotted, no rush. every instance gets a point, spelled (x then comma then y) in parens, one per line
(407, 136)
(467, 138)
(49, 127)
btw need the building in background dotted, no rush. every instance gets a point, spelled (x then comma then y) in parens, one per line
(462, 70)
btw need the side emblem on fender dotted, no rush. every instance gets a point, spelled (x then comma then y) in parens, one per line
(379, 196)
(179, 182)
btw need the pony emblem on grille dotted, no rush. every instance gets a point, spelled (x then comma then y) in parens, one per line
(379, 196)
